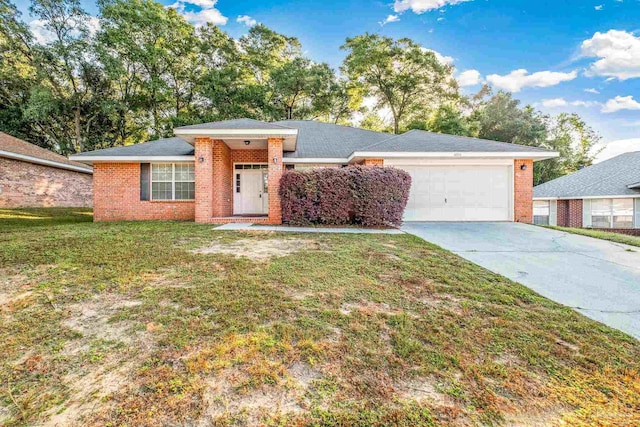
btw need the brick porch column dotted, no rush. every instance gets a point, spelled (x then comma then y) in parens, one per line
(523, 191)
(222, 178)
(204, 179)
(274, 152)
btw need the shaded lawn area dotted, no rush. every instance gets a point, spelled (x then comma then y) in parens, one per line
(37, 217)
(602, 234)
(125, 324)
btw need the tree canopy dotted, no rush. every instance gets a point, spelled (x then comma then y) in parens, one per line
(139, 69)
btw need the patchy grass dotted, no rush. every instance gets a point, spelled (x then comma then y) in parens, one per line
(601, 234)
(115, 324)
(36, 217)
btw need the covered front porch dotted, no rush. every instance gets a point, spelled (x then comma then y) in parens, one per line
(237, 173)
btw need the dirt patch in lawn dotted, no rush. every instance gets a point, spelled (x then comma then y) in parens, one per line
(368, 308)
(18, 284)
(258, 249)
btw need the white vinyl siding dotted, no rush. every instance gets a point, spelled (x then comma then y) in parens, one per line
(172, 181)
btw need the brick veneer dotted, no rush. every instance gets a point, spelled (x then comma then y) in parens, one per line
(373, 162)
(249, 156)
(24, 184)
(274, 147)
(570, 213)
(204, 179)
(117, 196)
(222, 176)
(523, 191)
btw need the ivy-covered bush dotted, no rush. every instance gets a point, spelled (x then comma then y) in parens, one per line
(367, 196)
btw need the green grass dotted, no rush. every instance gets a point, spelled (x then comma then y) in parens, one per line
(604, 235)
(113, 324)
(11, 219)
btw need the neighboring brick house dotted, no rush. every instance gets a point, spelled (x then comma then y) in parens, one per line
(230, 171)
(31, 176)
(605, 195)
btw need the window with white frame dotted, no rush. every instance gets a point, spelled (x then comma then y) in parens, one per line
(173, 181)
(612, 213)
(541, 209)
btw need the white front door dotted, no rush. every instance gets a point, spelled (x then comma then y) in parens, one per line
(250, 191)
(459, 193)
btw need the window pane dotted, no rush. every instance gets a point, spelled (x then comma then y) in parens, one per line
(601, 207)
(185, 190)
(185, 172)
(541, 207)
(600, 221)
(161, 191)
(161, 172)
(623, 221)
(541, 219)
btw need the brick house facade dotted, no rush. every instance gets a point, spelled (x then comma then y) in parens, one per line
(230, 171)
(31, 176)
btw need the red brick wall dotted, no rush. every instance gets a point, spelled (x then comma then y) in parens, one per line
(204, 179)
(523, 191)
(249, 156)
(570, 213)
(373, 162)
(275, 173)
(25, 184)
(222, 176)
(116, 196)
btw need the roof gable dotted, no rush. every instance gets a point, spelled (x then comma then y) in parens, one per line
(613, 177)
(234, 124)
(32, 153)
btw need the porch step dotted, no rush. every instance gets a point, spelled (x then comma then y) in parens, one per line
(240, 220)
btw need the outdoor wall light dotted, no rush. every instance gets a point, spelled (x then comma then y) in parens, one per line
(247, 142)
(523, 167)
(275, 159)
(201, 159)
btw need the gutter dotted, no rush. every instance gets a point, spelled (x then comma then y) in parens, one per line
(44, 162)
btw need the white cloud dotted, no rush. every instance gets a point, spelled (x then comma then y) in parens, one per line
(619, 53)
(469, 78)
(554, 103)
(599, 7)
(421, 6)
(43, 36)
(246, 20)
(621, 103)
(592, 90)
(207, 14)
(390, 18)
(518, 79)
(615, 148)
(448, 60)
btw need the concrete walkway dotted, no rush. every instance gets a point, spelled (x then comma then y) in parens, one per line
(283, 228)
(598, 278)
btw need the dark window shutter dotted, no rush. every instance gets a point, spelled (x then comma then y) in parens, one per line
(144, 180)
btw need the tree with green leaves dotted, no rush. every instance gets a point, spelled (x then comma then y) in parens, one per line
(400, 74)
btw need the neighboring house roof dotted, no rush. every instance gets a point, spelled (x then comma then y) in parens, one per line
(18, 149)
(422, 141)
(619, 176)
(318, 141)
(166, 147)
(235, 124)
(327, 140)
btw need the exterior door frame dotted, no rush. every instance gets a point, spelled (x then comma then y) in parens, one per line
(265, 195)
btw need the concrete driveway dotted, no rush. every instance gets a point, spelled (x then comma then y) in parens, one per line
(600, 279)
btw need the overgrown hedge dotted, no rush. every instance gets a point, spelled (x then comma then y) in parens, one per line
(367, 196)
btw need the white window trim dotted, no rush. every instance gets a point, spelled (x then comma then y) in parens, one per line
(173, 182)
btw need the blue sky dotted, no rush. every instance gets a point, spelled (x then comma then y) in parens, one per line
(579, 55)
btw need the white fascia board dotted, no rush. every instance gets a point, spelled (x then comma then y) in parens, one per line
(633, 186)
(625, 196)
(132, 159)
(44, 162)
(236, 132)
(450, 154)
(293, 160)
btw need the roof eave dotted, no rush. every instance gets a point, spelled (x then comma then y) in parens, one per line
(289, 136)
(44, 162)
(534, 155)
(130, 159)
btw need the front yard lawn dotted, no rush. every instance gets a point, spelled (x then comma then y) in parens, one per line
(167, 324)
(603, 234)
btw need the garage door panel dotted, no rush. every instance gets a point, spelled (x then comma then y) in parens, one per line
(464, 193)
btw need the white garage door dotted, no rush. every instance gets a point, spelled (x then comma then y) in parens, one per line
(459, 193)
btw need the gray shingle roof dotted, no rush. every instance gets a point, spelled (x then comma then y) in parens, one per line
(423, 141)
(327, 140)
(609, 178)
(162, 147)
(235, 124)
